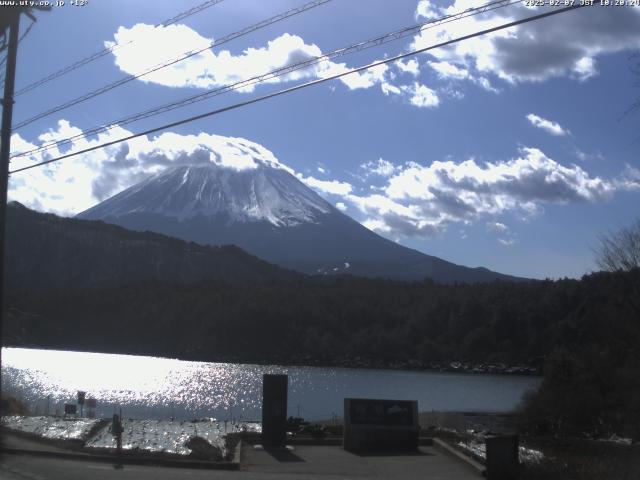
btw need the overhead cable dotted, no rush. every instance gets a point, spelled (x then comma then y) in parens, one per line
(105, 51)
(184, 56)
(304, 85)
(279, 72)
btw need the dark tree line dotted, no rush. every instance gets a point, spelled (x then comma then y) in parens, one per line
(335, 320)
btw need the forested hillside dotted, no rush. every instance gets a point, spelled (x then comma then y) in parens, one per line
(44, 251)
(337, 321)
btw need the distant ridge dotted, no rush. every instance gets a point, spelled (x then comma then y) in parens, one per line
(44, 251)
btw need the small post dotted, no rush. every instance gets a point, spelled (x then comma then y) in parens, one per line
(116, 430)
(81, 397)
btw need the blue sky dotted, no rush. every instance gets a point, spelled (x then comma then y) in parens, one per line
(510, 151)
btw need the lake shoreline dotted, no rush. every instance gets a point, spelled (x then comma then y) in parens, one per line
(157, 387)
(475, 368)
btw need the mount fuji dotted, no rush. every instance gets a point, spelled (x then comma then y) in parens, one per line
(259, 205)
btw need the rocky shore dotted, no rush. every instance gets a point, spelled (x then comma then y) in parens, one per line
(204, 439)
(496, 368)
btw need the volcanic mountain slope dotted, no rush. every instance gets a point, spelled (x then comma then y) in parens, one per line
(265, 210)
(44, 251)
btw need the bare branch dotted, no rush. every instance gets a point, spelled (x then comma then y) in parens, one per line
(619, 251)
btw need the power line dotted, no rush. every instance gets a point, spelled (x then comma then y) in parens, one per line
(373, 42)
(304, 85)
(382, 39)
(184, 56)
(105, 51)
(188, 13)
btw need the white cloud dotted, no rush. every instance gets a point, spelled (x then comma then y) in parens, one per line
(381, 167)
(449, 70)
(364, 79)
(564, 45)
(334, 187)
(411, 66)
(498, 227)
(420, 95)
(507, 242)
(629, 179)
(416, 94)
(486, 84)
(153, 46)
(423, 200)
(386, 215)
(341, 206)
(585, 68)
(452, 72)
(322, 170)
(387, 88)
(376, 225)
(426, 9)
(584, 156)
(507, 237)
(547, 125)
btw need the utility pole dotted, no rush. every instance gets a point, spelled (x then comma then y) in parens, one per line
(9, 24)
(12, 16)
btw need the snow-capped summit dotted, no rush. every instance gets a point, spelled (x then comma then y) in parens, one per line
(263, 193)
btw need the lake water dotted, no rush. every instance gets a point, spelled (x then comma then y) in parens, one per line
(149, 387)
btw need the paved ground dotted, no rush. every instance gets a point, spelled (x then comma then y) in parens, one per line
(334, 462)
(303, 462)
(22, 467)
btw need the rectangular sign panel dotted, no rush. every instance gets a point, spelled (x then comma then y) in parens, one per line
(381, 412)
(378, 425)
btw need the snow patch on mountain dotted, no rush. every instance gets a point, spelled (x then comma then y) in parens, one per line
(262, 192)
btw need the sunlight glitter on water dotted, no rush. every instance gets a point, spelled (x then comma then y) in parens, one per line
(160, 388)
(131, 380)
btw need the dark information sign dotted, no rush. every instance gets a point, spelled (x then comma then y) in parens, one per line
(381, 412)
(375, 425)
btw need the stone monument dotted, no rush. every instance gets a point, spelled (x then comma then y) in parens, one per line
(374, 425)
(274, 410)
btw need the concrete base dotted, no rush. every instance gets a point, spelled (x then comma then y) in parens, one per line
(372, 439)
(322, 462)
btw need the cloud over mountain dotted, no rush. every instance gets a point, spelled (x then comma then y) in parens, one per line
(77, 183)
(413, 200)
